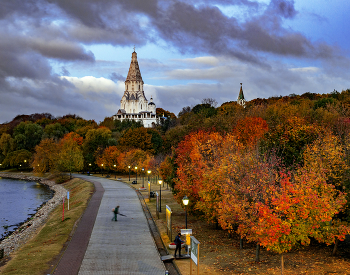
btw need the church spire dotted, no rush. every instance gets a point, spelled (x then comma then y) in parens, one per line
(240, 99)
(134, 73)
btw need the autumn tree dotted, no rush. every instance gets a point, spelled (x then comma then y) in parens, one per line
(7, 144)
(45, 156)
(250, 130)
(148, 140)
(70, 156)
(109, 159)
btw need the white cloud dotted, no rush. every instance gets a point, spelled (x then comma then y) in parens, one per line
(89, 84)
(305, 70)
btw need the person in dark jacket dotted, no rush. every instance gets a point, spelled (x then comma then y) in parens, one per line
(178, 243)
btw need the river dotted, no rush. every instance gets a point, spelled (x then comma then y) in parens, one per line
(19, 200)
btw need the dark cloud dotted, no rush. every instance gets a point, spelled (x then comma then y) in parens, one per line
(116, 77)
(64, 71)
(283, 8)
(38, 33)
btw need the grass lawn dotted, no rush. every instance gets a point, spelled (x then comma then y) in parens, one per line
(38, 255)
(220, 254)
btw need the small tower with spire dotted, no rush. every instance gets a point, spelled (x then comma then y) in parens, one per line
(240, 99)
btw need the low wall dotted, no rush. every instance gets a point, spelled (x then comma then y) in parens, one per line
(27, 230)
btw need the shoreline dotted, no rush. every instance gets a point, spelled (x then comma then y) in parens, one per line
(28, 228)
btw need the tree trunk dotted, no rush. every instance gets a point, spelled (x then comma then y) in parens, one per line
(257, 253)
(241, 243)
(282, 264)
(335, 247)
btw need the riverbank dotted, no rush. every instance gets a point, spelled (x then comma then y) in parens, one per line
(26, 231)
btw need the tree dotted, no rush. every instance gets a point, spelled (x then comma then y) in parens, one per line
(27, 135)
(211, 101)
(70, 156)
(19, 158)
(95, 138)
(109, 158)
(7, 144)
(148, 140)
(55, 131)
(45, 156)
(250, 130)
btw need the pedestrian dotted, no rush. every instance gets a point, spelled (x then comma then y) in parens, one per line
(116, 212)
(178, 243)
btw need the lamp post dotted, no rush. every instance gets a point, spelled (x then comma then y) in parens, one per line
(149, 172)
(143, 178)
(136, 173)
(102, 169)
(129, 172)
(160, 195)
(115, 172)
(185, 201)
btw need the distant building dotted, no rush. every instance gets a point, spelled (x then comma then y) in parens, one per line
(134, 104)
(240, 99)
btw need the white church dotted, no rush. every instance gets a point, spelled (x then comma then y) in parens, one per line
(134, 104)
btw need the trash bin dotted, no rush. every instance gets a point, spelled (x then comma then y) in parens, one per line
(152, 194)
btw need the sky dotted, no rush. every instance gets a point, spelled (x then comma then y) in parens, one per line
(72, 57)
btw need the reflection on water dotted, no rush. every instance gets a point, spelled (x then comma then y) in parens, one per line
(18, 201)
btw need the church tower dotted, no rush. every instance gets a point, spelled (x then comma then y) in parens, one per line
(134, 104)
(240, 99)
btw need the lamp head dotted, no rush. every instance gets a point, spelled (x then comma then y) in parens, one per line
(129, 166)
(185, 200)
(135, 167)
(160, 181)
(149, 171)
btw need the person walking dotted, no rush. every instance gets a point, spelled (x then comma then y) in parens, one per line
(178, 243)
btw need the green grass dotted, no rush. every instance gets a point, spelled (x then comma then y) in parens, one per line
(36, 255)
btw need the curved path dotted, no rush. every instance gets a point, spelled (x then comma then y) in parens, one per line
(122, 247)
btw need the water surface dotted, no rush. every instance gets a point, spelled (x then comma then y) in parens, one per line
(19, 200)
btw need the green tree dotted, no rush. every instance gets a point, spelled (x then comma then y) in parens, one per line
(55, 131)
(95, 138)
(27, 135)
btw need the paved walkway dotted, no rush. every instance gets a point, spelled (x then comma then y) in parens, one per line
(122, 247)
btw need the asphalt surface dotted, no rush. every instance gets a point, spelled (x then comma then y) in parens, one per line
(103, 246)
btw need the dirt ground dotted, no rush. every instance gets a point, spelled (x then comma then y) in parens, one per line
(220, 254)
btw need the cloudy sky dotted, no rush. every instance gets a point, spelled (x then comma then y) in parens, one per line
(72, 57)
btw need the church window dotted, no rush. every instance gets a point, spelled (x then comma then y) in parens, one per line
(141, 106)
(139, 87)
(127, 87)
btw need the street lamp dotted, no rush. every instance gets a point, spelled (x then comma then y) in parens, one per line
(160, 196)
(129, 172)
(149, 172)
(115, 172)
(143, 178)
(185, 201)
(102, 169)
(136, 173)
